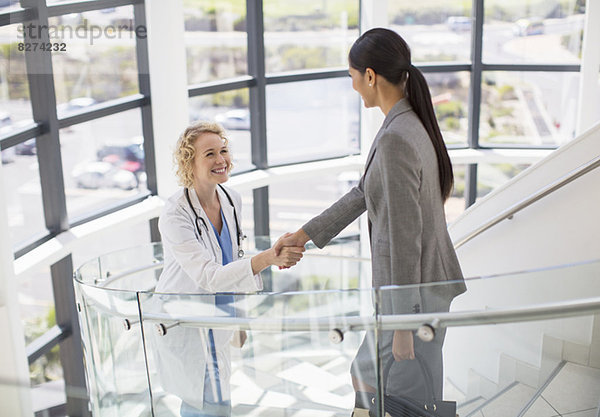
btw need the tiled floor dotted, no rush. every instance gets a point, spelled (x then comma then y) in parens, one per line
(574, 392)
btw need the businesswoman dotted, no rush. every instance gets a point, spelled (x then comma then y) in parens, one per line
(407, 178)
(201, 232)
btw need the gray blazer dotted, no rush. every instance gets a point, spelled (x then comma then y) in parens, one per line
(401, 193)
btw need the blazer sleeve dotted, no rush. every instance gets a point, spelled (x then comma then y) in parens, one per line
(178, 233)
(401, 182)
(324, 227)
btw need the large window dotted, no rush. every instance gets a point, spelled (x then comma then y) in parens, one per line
(215, 39)
(15, 105)
(308, 34)
(103, 162)
(97, 64)
(529, 108)
(435, 31)
(320, 122)
(537, 31)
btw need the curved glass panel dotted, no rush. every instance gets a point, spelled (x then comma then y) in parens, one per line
(436, 31)
(277, 369)
(309, 34)
(117, 379)
(521, 342)
(215, 39)
(528, 108)
(546, 32)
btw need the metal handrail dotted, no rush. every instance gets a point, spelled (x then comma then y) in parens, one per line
(562, 309)
(549, 189)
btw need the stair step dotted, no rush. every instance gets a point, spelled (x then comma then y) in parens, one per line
(576, 388)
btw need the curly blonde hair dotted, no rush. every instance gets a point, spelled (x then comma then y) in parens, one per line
(184, 154)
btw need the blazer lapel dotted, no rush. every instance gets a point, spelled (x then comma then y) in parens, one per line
(400, 107)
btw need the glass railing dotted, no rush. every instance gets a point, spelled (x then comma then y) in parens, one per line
(510, 345)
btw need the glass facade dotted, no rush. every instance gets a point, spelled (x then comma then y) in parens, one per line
(297, 130)
(216, 42)
(435, 31)
(528, 108)
(308, 34)
(548, 32)
(98, 66)
(15, 104)
(103, 162)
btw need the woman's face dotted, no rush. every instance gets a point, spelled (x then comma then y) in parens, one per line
(360, 83)
(212, 160)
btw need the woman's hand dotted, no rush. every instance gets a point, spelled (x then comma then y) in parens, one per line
(403, 345)
(288, 257)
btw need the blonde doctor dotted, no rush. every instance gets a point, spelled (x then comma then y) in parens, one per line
(201, 233)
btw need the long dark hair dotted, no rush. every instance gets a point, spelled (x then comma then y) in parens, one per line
(386, 53)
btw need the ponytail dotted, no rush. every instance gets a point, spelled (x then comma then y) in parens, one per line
(420, 100)
(388, 55)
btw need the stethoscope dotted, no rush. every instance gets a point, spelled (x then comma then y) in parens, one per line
(239, 233)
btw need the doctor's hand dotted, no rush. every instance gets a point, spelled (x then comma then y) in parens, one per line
(287, 252)
(286, 257)
(299, 238)
(403, 346)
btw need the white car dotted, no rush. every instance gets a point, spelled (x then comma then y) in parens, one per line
(100, 174)
(238, 119)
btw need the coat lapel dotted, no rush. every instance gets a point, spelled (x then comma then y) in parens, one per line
(400, 107)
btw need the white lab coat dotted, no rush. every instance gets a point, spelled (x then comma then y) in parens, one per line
(193, 264)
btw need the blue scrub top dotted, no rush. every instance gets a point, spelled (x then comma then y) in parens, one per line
(224, 302)
(224, 239)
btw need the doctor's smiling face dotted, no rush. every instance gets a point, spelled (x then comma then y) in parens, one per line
(212, 161)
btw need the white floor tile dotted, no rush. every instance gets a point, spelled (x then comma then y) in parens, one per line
(541, 408)
(510, 403)
(586, 413)
(575, 388)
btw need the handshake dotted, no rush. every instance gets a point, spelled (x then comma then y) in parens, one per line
(288, 249)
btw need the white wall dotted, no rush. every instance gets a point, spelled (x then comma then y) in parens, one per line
(562, 228)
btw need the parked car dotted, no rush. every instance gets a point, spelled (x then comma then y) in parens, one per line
(127, 156)
(5, 119)
(7, 3)
(75, 105)
(7, 155)
(26, 148)
(459, 23)
(100, 174)
(529, 27)
(238, 119)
